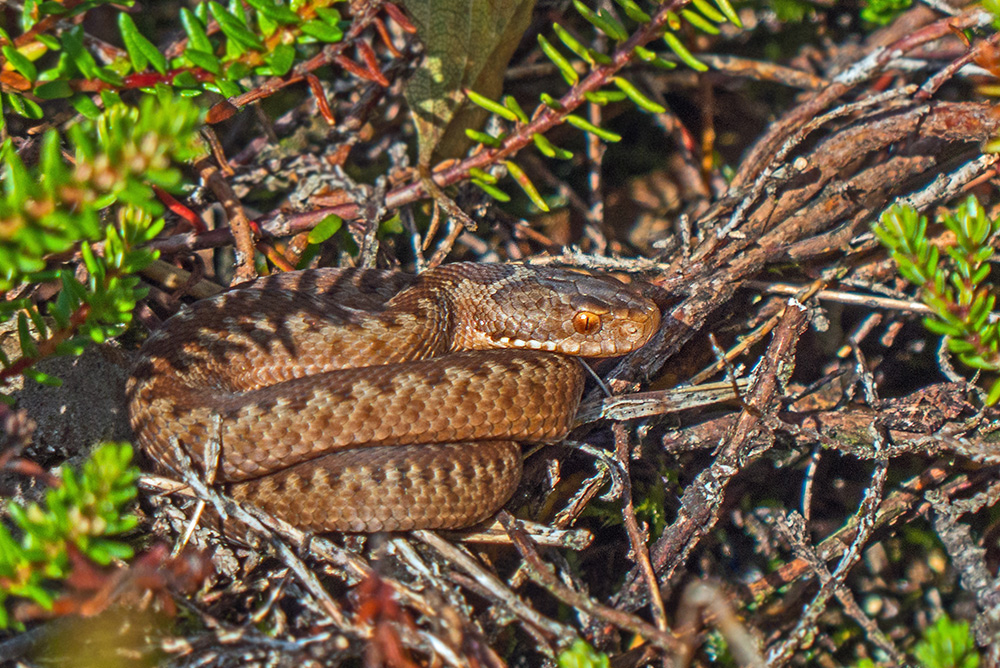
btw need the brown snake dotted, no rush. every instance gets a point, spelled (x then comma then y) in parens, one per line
(350, 400)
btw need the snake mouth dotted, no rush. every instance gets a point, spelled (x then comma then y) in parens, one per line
(577, 348)
(602, 348)
(549, 346)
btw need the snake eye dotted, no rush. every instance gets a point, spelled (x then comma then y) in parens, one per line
(585, 322)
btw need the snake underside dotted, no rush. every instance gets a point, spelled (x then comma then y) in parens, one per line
(366, 400)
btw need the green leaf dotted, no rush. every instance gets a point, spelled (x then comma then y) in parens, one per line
(20, 62)
(698, 21)
(329, 14)
(322, 31)
(109, 77)
(184, 81)
(587, 126)
(233, 28)
(48, 40)
(266, 26)
(708, 11)
(24, 340)
(52, 90)
(325, 229)
(485, 177)
(51, 162)
(978, 362)
(204, 60)
(72, 348)
(226, 88)
(17, 178)
(37, 594)
(647, 56)
(114, 549)
(994, 394)
(883, 12)
(598, 57)
(140, 50)
(960, 346)
(603, 21)
(941, 328)
(678, 47)
(633, 11)
(978, 320)
(238, 70)
(640, 100)
(491, 106)
(89, 259)
(550, 150)
(526, 185)
(195, 29)
(484, 138)
(572, 43)
(727, 9)
(38, 322)
(42, 378)
(550, 101)
(990, 335)
(603, 97)
(281, 59)
(582, 655)
(22, 106)
(110, 99)
(615, 28)
(238, 9)
(72, 42)
(511, 103)
(562, 64)
(277, 13)
(492, 190)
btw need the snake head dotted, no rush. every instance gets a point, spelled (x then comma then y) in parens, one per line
(537, 308)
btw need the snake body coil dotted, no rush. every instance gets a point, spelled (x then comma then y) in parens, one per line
(365, 400)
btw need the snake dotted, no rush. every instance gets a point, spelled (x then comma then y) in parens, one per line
(366, 400)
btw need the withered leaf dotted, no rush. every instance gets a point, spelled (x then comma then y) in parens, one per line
(468, 44)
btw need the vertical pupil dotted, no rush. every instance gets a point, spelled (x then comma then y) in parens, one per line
(586, 322)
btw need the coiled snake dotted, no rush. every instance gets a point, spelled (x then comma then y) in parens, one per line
(350, 400)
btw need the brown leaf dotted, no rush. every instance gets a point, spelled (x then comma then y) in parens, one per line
(468, 45)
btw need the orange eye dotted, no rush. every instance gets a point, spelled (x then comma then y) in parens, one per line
(586, 322)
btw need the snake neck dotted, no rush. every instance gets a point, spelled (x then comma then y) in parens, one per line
(461, 291)
(422, 316)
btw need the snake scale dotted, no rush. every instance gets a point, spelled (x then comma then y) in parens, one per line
(368, 400)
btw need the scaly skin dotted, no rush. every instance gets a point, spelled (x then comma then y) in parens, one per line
(351, 400)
